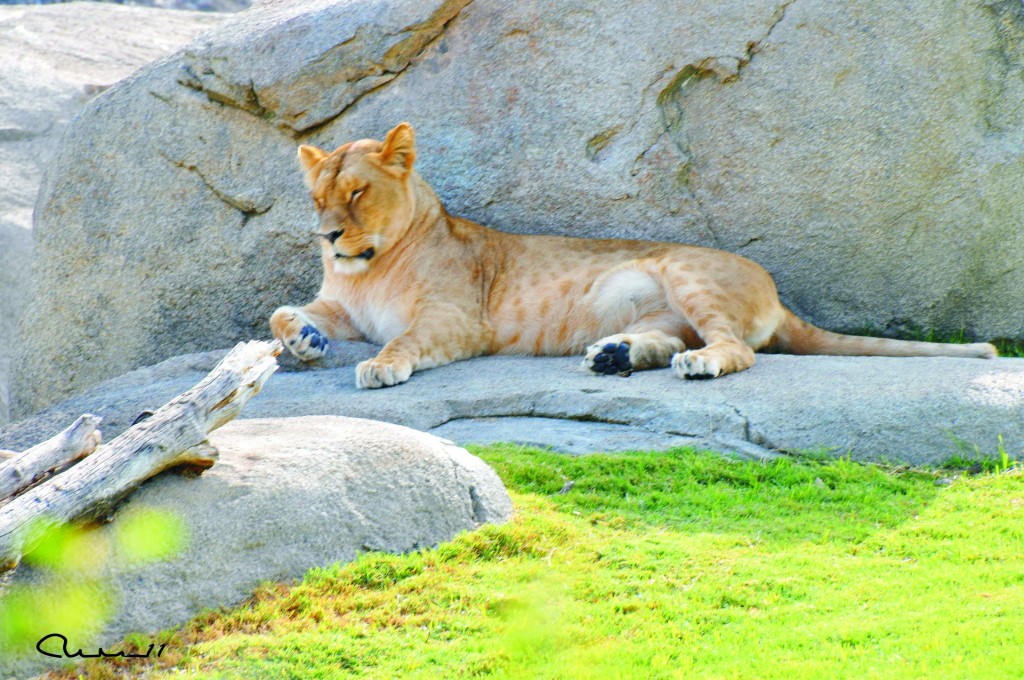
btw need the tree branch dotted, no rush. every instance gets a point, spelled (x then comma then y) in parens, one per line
(175, 435)
(40, 461)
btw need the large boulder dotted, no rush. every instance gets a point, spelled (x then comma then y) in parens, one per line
(198, 5)
(286, 495)
(54, 60)
(918, 410)
(868, 155)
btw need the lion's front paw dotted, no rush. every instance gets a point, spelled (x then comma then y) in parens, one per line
(374, 373)
(696, 365)
(302, 339)
(311, 344)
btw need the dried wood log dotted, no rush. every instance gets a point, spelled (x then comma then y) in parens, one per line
(38, 462)
(175, 435)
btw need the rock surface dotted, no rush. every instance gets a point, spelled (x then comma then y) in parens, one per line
(870, 157)
(288, 495)
(920, 410)
(197, 5)
(54, 60)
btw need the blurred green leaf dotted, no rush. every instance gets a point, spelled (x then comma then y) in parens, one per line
(76, 610)
(66, 548)
(147, 535)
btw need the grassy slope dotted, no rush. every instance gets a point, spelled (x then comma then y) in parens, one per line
(661, 565)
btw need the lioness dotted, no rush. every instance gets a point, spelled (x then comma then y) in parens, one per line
(399, 270)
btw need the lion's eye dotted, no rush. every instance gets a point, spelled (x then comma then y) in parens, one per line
(356, 194)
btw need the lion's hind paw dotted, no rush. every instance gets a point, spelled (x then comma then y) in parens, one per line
(609, 359)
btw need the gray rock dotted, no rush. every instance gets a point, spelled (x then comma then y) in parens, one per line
(870, 157)
(197, 5)
(919, 410)
(288, 495)
(566, 436)
(15, 269)
(54, 60)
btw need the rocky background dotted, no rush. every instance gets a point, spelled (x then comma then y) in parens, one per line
(868, 155)
(55, 59)
(198, 5)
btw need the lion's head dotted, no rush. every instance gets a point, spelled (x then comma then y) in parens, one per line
(362, 194)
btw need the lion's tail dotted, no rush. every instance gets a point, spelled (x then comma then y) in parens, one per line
(796, 336)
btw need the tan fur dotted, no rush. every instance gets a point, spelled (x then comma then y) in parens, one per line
(435, 288)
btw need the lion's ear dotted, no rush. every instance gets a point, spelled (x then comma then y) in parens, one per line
(399, 150)
(309, 156)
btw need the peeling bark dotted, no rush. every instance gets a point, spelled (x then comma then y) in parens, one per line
(35, 464)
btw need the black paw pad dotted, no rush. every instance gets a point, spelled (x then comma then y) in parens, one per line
(317, 340)
(613, 358)
(702, 376)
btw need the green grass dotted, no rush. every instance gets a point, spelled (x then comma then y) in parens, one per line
(667, 565)
(1009, 348)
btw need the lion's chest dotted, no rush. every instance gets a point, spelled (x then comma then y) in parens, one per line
(379, 319)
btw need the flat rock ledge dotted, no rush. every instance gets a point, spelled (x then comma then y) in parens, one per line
(288, 495)
(919, 411)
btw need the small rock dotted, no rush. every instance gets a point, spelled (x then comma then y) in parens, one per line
(287, 495)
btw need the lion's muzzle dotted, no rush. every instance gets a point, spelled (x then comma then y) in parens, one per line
(365, 255)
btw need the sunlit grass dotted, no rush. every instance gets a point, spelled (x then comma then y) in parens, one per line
(678, 564)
